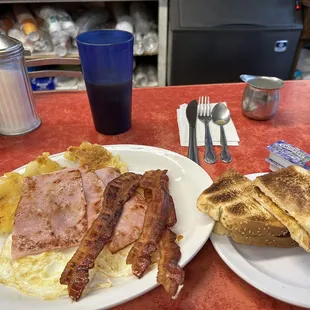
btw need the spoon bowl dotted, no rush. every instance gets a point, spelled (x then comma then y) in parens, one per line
(221, 116)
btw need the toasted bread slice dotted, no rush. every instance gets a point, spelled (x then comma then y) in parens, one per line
(286, 194)
(278, 242)
(222, 193)
(229, 200)
(296, 231)
(289, 189)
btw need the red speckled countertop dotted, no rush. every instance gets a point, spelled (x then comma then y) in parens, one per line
(66, 120)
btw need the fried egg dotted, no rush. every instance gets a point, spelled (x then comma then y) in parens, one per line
(38, 275)
(114, 265)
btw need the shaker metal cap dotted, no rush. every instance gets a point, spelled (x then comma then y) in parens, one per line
(9, 46)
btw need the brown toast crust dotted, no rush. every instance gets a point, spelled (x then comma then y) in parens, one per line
(229, 200)
(297, 232)
(289, 189)
(263, 241)
(221, 193)
(251, 219)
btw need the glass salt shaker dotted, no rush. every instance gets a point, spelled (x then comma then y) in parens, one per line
(18, 113)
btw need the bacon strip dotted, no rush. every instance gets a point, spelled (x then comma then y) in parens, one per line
(153, 179)
(157, 197)
(172, 216)
(157, 178)
(76, 272)
(170, 275)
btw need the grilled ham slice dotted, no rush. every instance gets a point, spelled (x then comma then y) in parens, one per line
(106, 175)
(130, 224)
(51, 213)
(94, 183)
(93, 190)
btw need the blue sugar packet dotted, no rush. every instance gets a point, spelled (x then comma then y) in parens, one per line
(286, 155)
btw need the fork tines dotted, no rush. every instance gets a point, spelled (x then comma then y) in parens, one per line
(204, 106)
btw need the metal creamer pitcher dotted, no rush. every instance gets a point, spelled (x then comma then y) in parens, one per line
(261, 97)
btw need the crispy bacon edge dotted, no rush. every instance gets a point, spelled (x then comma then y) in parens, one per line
(76, 272)
(155, 184)
(157, 178)
(170, 275)
(172, 216)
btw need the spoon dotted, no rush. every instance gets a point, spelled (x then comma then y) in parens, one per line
(221, 116)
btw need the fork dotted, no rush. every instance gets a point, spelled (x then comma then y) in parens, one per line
(204, 115)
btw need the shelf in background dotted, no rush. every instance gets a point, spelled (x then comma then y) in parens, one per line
(70, 90)
(158, 59)
(71, 54)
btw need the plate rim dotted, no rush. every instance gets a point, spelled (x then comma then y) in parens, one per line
(274, 288)
(208, 229)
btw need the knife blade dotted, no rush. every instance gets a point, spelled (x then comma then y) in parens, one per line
(191, 115)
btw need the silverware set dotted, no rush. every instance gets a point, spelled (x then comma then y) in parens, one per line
(220, 115)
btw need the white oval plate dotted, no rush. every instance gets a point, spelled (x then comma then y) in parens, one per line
(281, 273)
(187, 181)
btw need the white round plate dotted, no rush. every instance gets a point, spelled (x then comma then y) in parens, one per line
(187, 181)
(281, 273)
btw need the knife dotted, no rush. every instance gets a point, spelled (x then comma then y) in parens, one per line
(191, 114)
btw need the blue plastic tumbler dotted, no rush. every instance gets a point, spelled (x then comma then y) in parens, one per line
(106, 60)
